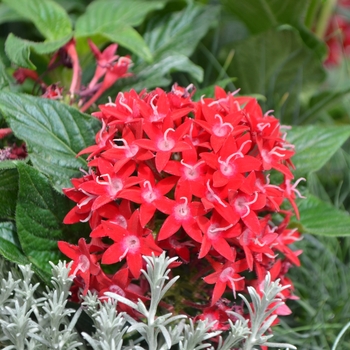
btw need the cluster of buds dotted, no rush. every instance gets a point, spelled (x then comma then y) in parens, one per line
(109, 68)
(192, 179)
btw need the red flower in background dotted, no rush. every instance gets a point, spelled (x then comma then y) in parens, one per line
(337, 36)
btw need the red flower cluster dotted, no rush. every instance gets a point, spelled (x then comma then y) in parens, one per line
(189, 178)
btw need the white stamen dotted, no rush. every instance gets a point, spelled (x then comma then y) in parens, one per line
(110, 103)
(214, 195)
(121, 102)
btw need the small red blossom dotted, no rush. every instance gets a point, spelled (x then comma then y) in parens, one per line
(84, 264)
(131, 243)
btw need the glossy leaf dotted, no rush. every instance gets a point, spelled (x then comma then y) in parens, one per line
(315, 145)
(180, 32)
(279, 66)
(8, 193)
(321, 218)
(115, 19)
(49, 18)
(39, 217)
(54, 133)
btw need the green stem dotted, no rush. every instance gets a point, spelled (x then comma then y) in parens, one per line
(311, 13)
(326, 12)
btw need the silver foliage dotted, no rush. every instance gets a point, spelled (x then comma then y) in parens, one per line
(33, 319)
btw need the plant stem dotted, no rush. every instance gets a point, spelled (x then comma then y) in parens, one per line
(322, 23)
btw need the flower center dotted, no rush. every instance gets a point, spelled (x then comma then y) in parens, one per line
(190, 171)
(130, 150)
(182, 211)
(165, 143)
(149, 194)
(221, 129)
(226, 274)
(120, 220)
(132, 243)
(114, 186)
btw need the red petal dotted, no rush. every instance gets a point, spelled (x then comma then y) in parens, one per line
(135, 264)
(218, 291)
(146, 213)
(112, 254)
(162, 158)
(223, 248)
(169, 227)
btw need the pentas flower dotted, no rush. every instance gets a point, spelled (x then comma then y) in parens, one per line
(192, 179)
(131, 243)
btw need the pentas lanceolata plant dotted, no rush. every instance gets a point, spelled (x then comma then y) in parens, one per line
(193, 179)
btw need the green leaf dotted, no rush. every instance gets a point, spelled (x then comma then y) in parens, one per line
(261, 15)
(315, 145)
(278, 65)
(4, 79)
(11, 164)
(321, 102)
(320, 218)
(18, 50)
(180, 32)
(114, 20)
(9, 245)
(39, 217)
(7, 14)
(8, 193)
(158, 74)
(50, 19)
(54, 133)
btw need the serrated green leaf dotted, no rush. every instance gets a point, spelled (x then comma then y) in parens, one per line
(18, 50)
(278, 65)
(8, 193)
(50, 19)
(180, 32)
(11, 164)
(114, 19)
(9, 245)
(39, 217)
(321, 218)
(315, 145)
(54, 133)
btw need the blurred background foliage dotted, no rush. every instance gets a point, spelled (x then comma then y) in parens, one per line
(292, 55)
